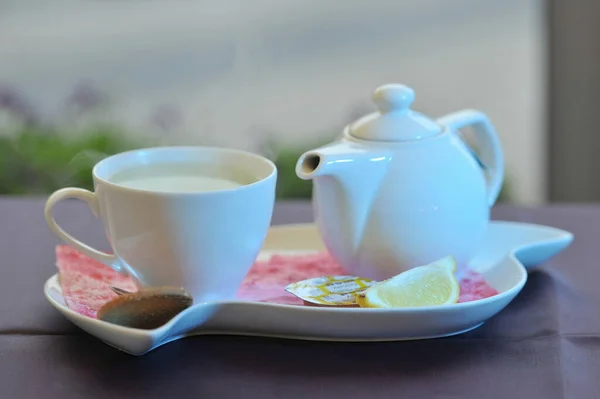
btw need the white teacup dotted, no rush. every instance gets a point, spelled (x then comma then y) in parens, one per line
(191, 217)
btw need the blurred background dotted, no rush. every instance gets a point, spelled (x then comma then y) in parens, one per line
(83, 79)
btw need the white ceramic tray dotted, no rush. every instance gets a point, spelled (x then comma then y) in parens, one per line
(510, 248)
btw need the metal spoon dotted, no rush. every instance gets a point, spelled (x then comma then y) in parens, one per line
(118, 291)
(145, 309)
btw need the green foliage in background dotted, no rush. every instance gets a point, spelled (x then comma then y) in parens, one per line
(288, 184)
(37, 161)
(37, 158)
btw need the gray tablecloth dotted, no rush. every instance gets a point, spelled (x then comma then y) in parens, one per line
(546, 344)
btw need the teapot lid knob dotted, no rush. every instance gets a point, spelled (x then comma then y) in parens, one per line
(395, 121)
(393, 97)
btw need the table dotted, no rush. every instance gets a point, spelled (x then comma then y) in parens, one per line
(546, 344)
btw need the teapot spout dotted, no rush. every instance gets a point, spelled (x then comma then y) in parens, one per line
(340, 161)
(346, 179)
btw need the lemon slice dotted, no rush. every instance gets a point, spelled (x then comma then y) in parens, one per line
(428, 285)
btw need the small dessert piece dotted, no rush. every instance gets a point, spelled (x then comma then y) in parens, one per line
(429, 285)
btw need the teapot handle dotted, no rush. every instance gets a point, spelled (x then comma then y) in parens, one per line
(491, 149)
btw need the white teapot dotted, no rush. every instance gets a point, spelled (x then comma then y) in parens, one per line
(398, 190)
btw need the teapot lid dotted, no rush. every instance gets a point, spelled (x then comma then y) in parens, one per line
(394, 121)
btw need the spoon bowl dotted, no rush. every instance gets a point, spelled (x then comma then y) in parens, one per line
(145, 309)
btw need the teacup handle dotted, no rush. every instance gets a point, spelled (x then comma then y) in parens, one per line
(89, 198)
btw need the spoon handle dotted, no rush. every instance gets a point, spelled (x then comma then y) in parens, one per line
(118, 291)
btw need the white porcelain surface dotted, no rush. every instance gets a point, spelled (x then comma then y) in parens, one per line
(398, 190)
(508, 250)
(179, 239)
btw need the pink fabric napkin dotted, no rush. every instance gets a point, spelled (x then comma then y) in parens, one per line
(85, 282)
